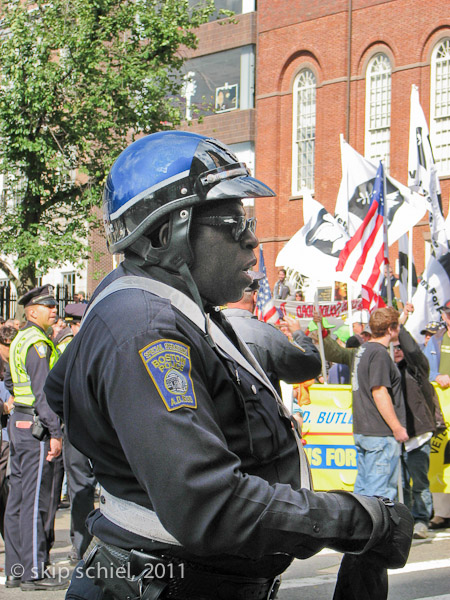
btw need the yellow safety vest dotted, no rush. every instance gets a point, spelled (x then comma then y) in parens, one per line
(23, 392)
(63, 344)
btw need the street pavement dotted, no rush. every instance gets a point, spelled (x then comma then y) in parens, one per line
(58, 557)
(426, 575)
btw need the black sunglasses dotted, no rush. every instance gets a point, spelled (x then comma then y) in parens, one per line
(239, 225)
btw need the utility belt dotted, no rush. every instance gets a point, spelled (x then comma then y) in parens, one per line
(23, 409)
(38, 429)
(143, 576)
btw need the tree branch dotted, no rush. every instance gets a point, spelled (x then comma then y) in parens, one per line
(7, 269)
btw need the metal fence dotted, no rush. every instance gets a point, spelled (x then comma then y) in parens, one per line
(8, 300)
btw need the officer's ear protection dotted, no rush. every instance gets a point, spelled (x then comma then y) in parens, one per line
(169, 246)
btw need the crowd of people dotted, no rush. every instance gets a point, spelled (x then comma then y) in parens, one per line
(396, 411)
(173, 406)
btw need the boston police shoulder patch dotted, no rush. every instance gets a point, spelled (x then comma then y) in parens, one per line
(168, 363)
(41, 349)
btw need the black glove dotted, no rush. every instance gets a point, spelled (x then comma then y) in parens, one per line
(392, 550)
(360, 578)
(392, 527)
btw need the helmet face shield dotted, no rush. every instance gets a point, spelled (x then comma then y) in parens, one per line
(165, 172)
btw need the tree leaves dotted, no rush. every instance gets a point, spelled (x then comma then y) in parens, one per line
(78, 81)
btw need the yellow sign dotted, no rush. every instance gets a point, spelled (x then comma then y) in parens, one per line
(330, 447)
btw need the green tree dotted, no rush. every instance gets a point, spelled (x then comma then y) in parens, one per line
(78, 80)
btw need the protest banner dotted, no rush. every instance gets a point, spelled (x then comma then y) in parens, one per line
(330, 447)
(304, 310)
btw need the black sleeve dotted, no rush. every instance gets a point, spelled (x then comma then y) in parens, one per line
(7, 379)
(54, 386)
(293, 362)
(416, 360)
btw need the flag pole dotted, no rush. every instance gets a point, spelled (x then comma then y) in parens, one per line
(349, 291)
(389, 299)
(410, 265)
(385, 241)
(321, 348)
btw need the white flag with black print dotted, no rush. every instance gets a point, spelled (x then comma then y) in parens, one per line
(432, 292)
(314, 250)
(403, 208)
(422, 174)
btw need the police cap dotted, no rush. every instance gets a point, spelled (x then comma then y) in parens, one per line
(74, 312)
(39, 295)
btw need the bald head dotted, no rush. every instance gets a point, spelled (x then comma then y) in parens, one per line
(247, 302)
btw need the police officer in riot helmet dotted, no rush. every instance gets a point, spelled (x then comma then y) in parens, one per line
(204, 481)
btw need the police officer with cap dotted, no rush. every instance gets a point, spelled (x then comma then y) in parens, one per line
(205, 492)
(73, 313)
(81, 481)
(35, 442)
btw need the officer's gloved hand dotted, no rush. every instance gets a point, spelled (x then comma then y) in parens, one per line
(390, 542)
(392, 549)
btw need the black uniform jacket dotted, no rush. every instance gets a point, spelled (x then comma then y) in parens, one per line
(219, 466)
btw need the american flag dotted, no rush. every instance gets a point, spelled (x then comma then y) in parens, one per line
(363, 257)
(371, 300)
(265, 309)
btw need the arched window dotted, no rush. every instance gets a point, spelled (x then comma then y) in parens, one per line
(440, 106)
(378, 109)
(304, 135)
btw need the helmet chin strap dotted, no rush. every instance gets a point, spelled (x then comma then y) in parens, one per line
(185, 273)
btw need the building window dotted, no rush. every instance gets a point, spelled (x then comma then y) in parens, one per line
(440, 106)
(304, 135)
(378, 109)
(219, 82)
(69, 281)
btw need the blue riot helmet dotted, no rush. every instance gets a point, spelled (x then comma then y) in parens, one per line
(159, 179)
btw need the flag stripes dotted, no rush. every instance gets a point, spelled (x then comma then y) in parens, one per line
(363, 256)
(265, 309)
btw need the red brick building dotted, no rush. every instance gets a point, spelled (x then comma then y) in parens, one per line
(345, 51)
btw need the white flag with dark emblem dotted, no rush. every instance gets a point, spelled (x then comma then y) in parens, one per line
(403, 208)
(314, 250)
(422, 174)
(433, 291)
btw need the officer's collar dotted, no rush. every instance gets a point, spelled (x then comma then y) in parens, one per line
(172, 279)
(33, 324)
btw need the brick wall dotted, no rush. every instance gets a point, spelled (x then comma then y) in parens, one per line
(230, 128)
(292, 35)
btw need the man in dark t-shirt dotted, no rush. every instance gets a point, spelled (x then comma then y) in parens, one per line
(379, 417)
